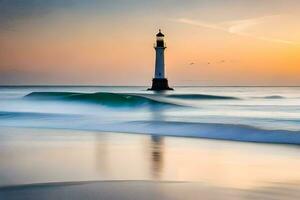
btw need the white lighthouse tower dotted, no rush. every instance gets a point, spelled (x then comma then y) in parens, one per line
(159, 82)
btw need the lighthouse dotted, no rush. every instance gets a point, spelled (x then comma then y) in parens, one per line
(160, 82)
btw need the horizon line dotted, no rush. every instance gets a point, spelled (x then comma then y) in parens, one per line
(92, 85)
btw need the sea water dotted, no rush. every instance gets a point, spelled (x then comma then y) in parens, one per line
(66, 134)
(255, 114)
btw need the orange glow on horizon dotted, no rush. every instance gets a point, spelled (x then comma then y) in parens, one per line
(99, 50)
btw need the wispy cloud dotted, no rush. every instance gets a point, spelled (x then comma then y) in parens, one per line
(240, 26)
(237, 27)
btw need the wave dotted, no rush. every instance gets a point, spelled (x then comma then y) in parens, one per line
(200, 96)
(270, 97)
(34, 115)
(274, 97)
(102, 98)
(234, 132)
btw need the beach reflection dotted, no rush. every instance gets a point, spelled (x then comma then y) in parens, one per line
(157, 143)
(157, 156)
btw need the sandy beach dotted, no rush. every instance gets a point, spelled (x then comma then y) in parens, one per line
(66, 164)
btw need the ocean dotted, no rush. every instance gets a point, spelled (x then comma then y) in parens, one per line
(249, 114)
(91, 142)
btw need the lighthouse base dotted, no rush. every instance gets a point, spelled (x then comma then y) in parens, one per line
(160, 84)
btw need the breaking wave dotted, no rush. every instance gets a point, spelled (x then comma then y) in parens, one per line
(102, 98)
(234, 132)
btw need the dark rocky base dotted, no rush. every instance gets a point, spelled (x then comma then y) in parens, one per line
(160, 84)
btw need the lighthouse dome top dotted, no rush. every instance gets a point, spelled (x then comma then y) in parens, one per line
(159, 34)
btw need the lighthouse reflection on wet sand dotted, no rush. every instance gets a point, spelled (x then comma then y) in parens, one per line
(160, 82)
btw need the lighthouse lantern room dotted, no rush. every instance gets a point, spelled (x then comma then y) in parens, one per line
(160, 82)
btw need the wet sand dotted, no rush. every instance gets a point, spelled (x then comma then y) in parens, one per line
(65, 164)
(145, 190)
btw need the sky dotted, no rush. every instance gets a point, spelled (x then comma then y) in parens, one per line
(97, 42)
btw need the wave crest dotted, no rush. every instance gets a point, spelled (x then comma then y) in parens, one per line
(102, 98)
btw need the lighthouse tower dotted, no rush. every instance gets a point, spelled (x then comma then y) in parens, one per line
(159, 82)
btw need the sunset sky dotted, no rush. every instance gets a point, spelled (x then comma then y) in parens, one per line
(230, 42)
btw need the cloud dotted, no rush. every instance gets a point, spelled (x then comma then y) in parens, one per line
(240, 26)
(199, 23)
(237, 27)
